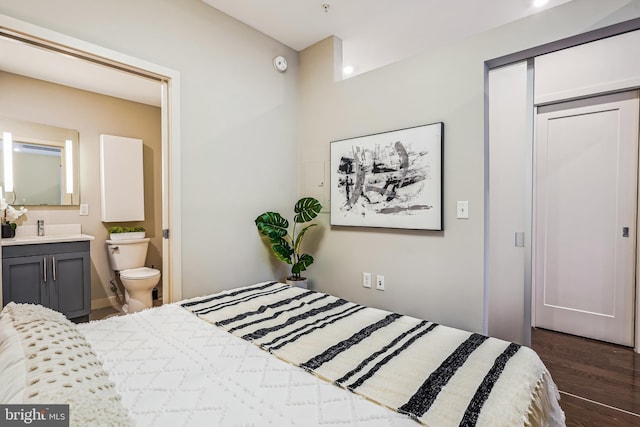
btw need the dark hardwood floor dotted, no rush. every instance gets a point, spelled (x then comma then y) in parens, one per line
(599, 383)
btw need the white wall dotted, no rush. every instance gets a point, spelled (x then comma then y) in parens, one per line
(238, 121)
(428, 274)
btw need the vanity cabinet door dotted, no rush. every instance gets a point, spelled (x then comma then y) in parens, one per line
(70, 283)
(23, 280)
(55, 275)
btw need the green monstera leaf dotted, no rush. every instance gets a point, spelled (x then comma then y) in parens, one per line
(304, 261)
(298, 241)
(272, 225)
(282, 250)
(306, 209)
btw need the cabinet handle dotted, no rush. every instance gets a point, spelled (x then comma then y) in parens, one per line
(53, 267)
(44, 269)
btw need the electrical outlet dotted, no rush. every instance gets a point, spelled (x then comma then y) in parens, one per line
(380, 282)
(84, 209)
(366, 280)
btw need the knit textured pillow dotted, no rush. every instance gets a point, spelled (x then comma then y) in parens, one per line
(61, 368)
(12, 363)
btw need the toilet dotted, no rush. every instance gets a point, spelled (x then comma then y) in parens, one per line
(127, 258)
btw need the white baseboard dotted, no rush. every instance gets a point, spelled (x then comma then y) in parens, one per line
(104, 302)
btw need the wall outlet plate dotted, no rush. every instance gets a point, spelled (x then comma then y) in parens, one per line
(380, 282)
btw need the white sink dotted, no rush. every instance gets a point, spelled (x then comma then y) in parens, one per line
(27, 235)
(32, 240)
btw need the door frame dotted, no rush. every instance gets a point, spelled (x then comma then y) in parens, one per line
(170, 129)
(526, 284)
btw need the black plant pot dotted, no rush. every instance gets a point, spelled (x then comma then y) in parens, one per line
(8, 231)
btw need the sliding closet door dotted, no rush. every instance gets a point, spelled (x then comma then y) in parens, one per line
(507, 203)
(586, 179)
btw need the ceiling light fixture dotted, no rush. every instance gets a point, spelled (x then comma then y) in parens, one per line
(348, 70)
(539, 3)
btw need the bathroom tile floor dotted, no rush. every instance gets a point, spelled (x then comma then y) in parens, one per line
(103, 313)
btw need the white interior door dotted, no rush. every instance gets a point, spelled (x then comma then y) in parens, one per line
(585, 196)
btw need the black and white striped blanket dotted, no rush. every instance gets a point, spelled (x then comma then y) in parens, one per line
(438, 375)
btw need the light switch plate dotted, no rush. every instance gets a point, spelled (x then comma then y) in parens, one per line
(366, 280)
(84, 209)
(463, 209)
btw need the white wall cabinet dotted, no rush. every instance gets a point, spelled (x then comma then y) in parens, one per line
(121, 178)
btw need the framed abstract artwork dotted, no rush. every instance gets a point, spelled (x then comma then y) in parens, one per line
(391, 179)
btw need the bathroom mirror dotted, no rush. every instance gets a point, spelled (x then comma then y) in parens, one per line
(38, 164)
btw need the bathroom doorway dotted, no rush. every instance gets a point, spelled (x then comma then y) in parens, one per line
(59, 47)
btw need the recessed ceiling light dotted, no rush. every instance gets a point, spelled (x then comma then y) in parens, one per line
(539, 3)
(348, 70)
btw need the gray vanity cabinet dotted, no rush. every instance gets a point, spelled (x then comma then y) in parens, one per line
(56, 275)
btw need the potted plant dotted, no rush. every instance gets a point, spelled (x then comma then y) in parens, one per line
(9, 229)
(286, 247)
(9, 215)
(125, 233)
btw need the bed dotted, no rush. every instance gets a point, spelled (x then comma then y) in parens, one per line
(270, 354)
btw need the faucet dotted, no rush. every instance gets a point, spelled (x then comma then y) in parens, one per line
(41, 227)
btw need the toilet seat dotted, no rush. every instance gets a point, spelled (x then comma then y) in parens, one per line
(139, 273)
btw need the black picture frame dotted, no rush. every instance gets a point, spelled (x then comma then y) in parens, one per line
(391, 179)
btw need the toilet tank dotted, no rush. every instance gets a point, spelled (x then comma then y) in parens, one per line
(125, 254)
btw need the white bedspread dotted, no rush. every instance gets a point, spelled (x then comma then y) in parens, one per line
(173, 369)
